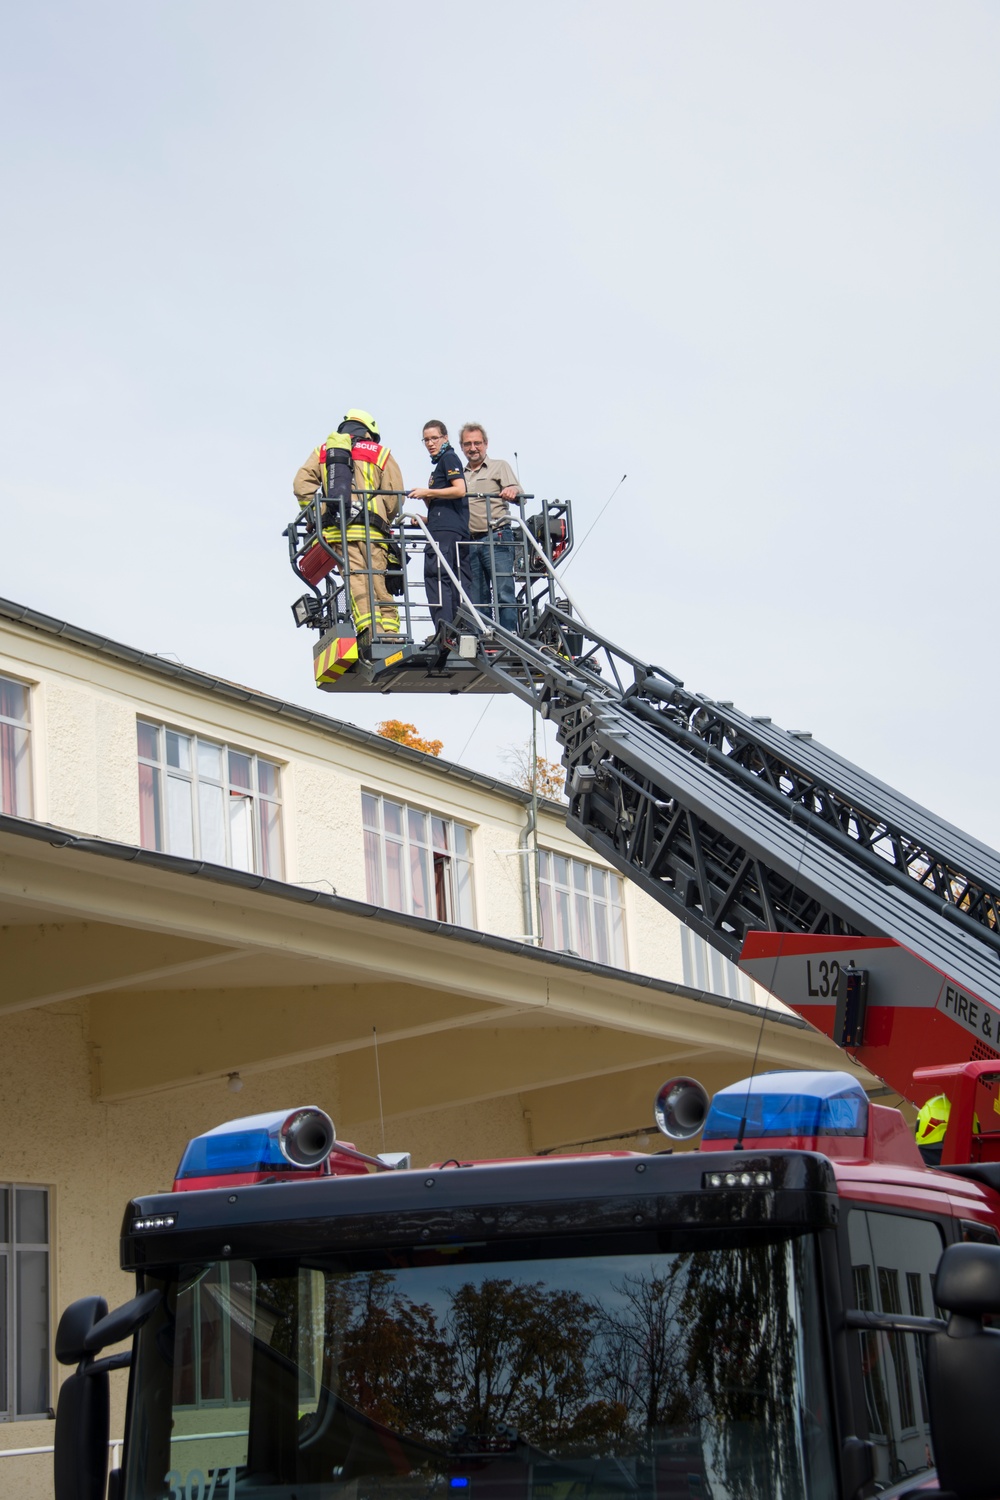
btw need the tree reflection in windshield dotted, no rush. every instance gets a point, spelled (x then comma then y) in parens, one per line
(708, 1342)
(697, 1373)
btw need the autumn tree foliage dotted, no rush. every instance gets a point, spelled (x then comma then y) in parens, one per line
(548, 780)
(521, 1360)
(694, 1352)
(406, 734)
(394, 1363)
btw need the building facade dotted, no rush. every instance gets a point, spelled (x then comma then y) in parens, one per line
(213, 903)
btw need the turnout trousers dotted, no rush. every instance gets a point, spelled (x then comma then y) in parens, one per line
(361, 562)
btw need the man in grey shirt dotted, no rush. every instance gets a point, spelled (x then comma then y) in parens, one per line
(491, 483)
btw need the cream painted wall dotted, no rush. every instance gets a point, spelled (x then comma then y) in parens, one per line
(90, 755)
(94, 1157)
(84, 709)
(496, 1127)
(323, 843)
(653, 936)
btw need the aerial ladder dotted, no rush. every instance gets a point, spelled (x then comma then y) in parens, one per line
(864, 912)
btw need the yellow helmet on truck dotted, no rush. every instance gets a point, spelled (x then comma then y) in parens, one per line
(932, 1120)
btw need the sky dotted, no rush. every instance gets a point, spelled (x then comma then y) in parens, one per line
(743, 254)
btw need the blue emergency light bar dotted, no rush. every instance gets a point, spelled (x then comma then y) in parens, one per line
(272, 1142)
(788, 1104)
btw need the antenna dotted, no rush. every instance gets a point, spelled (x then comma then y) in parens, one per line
(738, 1145)
(579, 544)
(378, 1080)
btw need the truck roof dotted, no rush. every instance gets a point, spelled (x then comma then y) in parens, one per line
(918, 1190)
(499, 1201)
(513, 1200)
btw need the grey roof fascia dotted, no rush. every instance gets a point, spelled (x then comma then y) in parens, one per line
(159, 666)
(60, 838)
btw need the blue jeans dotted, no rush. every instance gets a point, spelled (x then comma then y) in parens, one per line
(493, 576)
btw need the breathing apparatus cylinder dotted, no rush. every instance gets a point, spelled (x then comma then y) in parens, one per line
(339, 476)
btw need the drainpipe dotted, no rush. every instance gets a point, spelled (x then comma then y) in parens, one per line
(528, 847)
(527, 844)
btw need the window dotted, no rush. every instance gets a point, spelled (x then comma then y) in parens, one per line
(581, 909)
(214, 1353)
(703, 968)
(208, 801)
(15, 757)
(24, 1302)
(416, 862)
(893, 1260)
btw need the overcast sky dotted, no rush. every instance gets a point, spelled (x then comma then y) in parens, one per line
(746, 254)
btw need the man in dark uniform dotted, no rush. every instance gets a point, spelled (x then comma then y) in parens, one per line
(448, 523)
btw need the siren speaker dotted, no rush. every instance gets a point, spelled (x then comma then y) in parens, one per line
(307, 1137)
(681, 1107)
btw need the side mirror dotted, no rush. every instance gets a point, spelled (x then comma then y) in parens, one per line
(963, 1372)
(83, 1415)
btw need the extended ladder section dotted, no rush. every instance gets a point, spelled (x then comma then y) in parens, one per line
(739, 827)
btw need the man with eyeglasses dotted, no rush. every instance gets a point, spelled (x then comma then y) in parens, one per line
(491, 483)
(448, 523)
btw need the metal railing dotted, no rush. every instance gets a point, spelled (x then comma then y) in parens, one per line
(319, 549)
(114, 1446)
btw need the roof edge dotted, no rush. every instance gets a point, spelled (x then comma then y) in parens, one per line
(159, 666)
(60, 838)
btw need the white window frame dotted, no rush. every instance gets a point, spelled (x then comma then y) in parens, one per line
(705, 968)
(452, 856)
(202, 1402)
(10, 726)
(167, 779)
(11, 1248)
(587, 913)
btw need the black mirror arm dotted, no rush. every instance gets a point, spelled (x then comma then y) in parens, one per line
(111, 1362)
(123, 1322)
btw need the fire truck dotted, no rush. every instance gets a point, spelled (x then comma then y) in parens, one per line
(798, 1308)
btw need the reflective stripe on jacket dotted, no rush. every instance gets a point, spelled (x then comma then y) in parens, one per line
(374, 471)
(369, 460)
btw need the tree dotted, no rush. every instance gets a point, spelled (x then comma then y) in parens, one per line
(739, 1309)
(406, 734)
(549, 778)
(393, 1363)
(640, 1366)
(520, 1352)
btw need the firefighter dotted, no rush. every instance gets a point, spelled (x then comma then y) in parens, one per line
(372, 480)
(932, 1123)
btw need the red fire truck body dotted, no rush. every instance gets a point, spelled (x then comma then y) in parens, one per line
(758, 1317)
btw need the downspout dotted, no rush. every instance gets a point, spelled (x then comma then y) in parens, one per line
(528, 848)
(527, 845)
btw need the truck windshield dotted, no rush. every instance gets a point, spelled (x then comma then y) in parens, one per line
(594, 1375)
